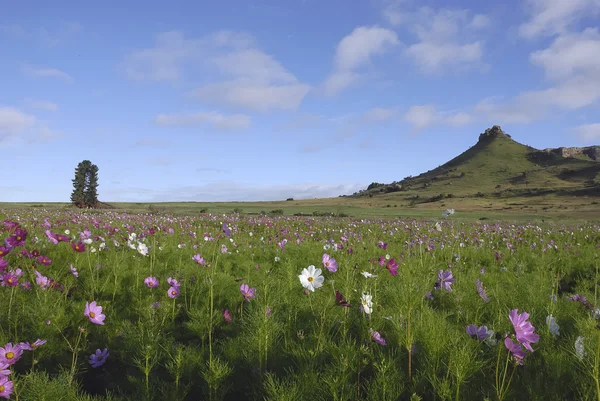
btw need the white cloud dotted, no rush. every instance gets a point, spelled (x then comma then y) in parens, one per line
(550, 17)
(447, 39)
(223, 191)
(572, 64)
(217, 120)
(44, 72)
(423, 116)
(379, 114)
(17, 124)
(246, 76)
(588, 132)
(42, 105)
(392, 11)
(356, 50)
(13, 122)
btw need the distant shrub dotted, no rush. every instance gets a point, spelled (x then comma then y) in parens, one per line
(277, 212)
(204, 210)
(289, 199)
(238, 210)
(263, 213)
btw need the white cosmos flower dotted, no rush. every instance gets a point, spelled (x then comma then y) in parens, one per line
(367, 274)
(553, 326)
(87, 241)
(67, 232)
(142, 249)
(311, 278)
(366, 303)
(277, 258)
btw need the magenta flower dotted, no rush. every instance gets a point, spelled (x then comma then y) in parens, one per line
(445, 280)
(247, 292)
(97, 359)
(329, 263)
(44, 260)
(41, 280)
(382, 245)
(227, 316)
(9, 280)
(10, 354)
(6, 387)
(376, 337)
(3, 264)
(226, 230)
(339, 299)
(173, 292)
(392, 267)
(32, 347)
(173, 283)
(17, 239)
(151, 282)
(51, 237)
(94, 313)
(515, 349)
(199, 259)
(4, 250)
(78, 246)
(523, 329)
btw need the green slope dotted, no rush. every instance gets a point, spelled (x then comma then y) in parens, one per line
(498, 166)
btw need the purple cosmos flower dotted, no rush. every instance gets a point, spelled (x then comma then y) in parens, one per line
(481, 291)
(382, 245)
(173, 283)
(3, 264)
(6, 387)
(99, 358)
(74, 271)
(44, 260)
(515, 349)
(445, 280)
(226, 230)
(4, 250)
(155, 305)
(247, 292)
(151, 282)
(17, 239)
(227, 316)
(51, 237)
(428, 295)
(173, 292)
(41, 280)
(523, 329)
(199, 259)
(32, 347)
(10, 354)
(94, 313)
(339, 299)
(4, 371)
(329, 263)
(480, 333)
(392, 267)
(376, 337)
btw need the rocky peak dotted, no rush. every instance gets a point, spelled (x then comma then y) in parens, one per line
(491, 133)
(593, 152)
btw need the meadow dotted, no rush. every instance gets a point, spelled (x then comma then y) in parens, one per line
(108, 305)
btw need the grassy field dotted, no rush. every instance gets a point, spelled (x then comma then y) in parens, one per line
(213, 307)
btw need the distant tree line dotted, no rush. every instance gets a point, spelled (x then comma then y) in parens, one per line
(85, 185)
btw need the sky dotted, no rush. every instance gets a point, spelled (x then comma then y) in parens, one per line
(265, 100)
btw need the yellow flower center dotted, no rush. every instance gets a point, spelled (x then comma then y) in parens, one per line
(173, 292)
(92, 315)
(18, 238)
(10, 281)
(310, 279)
(10, 355)
(1, 389)
(327, 264)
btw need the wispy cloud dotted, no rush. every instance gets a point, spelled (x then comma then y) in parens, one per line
(550, 17)
(424, 116)
(46, 72)
(213, 118)
(42, 105)
(211, 170)
(356, 51)
(15, 124)
(588, 132)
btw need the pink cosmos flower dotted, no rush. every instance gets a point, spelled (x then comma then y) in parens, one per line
(10, 354)
(173, 283)
(9, 280)
(94, 313)
(515, 349)
(173, 292)
(151, 282)
(523, 329)
(376, 337)
(247, 292)
(3, 264)
(78, 246)
(6, 387)
(392, 267)
(329, 263)
(199, 259)
(227, 316)
(4, 371)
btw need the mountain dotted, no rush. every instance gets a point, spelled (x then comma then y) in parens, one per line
(499, 167)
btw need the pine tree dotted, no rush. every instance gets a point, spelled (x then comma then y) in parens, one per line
(91, 189)
(77, 197)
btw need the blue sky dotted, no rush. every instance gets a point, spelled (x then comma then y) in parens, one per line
(263, 100)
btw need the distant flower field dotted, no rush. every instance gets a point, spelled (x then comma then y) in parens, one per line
(106, 306)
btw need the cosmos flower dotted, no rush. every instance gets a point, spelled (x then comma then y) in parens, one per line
(74, 271)
(78, 246)
(173, 292)
(445, 280)
(340, 300)
(10, 354)
(151, 282)
(376, 337)
(366, 274)
(9, 280)
(99, 357)
(173, 283)
(3, 264)
(6, 387)
(311, 278)
(366, 301)
(199, 259)
(247, 292)
(329, 263)
(94, 313)
(481, 291)
(523, 329)
(515, 349)
(227, 316)
(480, 333)
(4, 371)
(392, 267)
(142, 249)
(32, 347)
